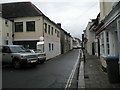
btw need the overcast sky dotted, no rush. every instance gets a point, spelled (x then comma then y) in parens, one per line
(72, 14)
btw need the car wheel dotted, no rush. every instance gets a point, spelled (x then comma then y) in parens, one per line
(16, 64)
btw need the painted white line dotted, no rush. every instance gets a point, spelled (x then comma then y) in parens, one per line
(69, 82)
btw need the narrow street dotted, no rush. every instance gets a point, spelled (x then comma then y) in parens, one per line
(55, 73)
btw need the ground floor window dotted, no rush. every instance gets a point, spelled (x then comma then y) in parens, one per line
(27, 44)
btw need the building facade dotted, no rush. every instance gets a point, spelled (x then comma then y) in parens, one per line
(5, 31)
(29, 27)
(66, 42)
(90, 36)
(108, 31)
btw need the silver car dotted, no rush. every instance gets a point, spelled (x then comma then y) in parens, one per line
(17, 56)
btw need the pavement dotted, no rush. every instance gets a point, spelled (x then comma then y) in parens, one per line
(92, 76)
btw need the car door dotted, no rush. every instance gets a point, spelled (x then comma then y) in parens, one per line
(6, 55)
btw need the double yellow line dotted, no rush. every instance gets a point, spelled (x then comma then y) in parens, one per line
(69, 82)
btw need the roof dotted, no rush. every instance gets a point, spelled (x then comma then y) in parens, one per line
(19, 9)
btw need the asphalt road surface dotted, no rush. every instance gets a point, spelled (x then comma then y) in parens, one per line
(55, 73)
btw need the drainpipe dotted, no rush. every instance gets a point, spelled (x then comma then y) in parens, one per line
(43, 35)
(13, 31)
(118, 30)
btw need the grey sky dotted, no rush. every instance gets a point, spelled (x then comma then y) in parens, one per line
(72, 14)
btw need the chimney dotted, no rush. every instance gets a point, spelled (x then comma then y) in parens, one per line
(59, 24)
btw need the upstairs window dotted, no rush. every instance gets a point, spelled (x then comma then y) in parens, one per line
(52, 47)
(18, 26)
(45, 27)
(30, 26)
(52, 31)
(107, 43)
(48, 29)
(58, 34)
(55, 30)
(49, 46)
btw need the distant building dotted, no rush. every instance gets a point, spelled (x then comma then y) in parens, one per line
(89, 35)
(66, 42)
(76, 42)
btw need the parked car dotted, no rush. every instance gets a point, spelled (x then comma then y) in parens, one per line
(17, 56)
(74, 47)
(78, 47)
(41, 55)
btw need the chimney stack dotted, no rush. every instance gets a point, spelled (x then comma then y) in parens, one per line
(59, 24)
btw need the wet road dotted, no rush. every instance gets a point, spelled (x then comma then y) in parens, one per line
(55, 73)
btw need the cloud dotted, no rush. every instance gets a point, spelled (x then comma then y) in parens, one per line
(72, 14)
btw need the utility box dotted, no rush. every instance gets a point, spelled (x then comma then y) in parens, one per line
(113, 69)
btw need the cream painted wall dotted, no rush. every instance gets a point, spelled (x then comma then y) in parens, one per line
(39, 31)
(90, 36)
(5, 29)
(105, 8)
(30, 35)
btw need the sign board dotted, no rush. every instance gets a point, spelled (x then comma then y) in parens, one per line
(41, 38)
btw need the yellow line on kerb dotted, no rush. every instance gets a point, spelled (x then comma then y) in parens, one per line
(69, 82)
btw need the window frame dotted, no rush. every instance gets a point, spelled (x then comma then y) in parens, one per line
(19, 28)
(27, 27)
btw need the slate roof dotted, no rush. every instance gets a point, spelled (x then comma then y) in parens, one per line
(20, 9)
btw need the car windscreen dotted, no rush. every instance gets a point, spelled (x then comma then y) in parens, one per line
(17, 49)
(38, 51)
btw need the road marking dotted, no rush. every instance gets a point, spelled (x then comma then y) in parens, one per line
(69, 82)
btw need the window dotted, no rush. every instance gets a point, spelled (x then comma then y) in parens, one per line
(102, 43)
(58, 33)
(55, 30)
(45, 27)
(107, 43)
(52, 47)
(52, 31)
(6, 22)
(6, 50)
(48, 29)
(49, 47)
(18, 26)
(30, 26)
(6, 42)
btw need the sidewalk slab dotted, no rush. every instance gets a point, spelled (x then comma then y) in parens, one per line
(94, 76)
(81, 82)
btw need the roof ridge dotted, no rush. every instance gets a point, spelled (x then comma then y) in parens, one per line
(16, 2)
(36, 8)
